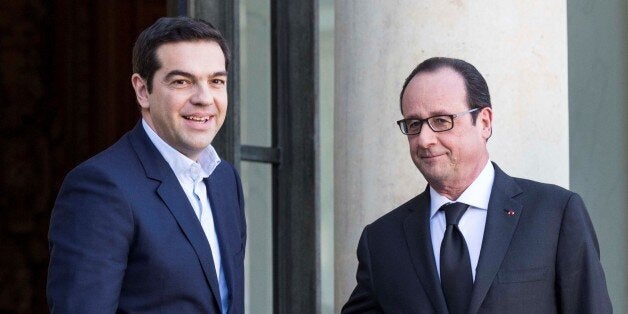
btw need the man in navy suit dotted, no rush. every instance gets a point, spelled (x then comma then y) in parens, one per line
(155, 223)
(520, 246)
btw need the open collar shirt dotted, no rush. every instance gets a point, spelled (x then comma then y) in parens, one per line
(190, 174)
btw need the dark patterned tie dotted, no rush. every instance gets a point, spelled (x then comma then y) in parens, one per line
(455, 266)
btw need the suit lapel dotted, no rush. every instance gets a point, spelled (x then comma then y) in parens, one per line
(173, 196)
(219, 193)
(171, 193)
(417, 231)
(501, 222)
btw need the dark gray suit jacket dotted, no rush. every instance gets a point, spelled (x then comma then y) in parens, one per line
(542, 259)
(124, 237)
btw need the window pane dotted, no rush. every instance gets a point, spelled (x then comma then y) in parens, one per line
(255, 128)
(326, 152)
(255, 73)
(258, 263)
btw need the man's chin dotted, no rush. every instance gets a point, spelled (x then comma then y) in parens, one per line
(432, 174)
(199, 140)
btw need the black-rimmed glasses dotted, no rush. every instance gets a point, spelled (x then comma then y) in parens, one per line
(439, 123)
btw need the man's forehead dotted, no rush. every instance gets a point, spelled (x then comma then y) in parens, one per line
(189, 55)
(191, 45)
(444, 82)
(432, 93)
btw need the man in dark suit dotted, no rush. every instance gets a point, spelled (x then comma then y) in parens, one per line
(155, 223)
(476, 240)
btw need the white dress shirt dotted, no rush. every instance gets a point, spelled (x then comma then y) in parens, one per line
(190, 175)
(472, 222)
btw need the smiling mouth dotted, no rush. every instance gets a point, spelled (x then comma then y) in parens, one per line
(430, 156)
(197, 119)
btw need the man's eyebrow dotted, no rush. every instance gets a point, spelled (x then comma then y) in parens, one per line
(432, 114)
(440, 113)
(190, 75)
(178, 73)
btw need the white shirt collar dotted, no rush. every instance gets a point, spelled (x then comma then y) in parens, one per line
(476, 195)
(208, 160)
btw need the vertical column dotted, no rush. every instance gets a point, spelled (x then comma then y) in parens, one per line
(520, 48)
(296, 211)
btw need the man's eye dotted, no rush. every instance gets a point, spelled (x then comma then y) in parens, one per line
(219, 81)
(413, 124)
(440, 120)
(180, 83)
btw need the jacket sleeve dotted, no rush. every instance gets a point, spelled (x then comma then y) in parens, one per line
(91, 229)
(363, 298)
(580, 277)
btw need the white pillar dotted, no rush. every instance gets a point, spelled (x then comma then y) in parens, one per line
(519, 47)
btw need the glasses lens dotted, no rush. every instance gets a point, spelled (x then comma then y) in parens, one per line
(441, 123)
(403, 126)
(413, 126)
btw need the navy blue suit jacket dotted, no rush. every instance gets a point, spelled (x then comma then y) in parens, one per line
(542, 259)
(124, 238)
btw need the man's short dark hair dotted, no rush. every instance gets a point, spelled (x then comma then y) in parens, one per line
(477, 89)
(171, 30)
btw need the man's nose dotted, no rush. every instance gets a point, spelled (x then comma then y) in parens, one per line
(203, 95)
(427, 136)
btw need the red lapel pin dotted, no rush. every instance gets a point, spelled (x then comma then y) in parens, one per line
(510, 212)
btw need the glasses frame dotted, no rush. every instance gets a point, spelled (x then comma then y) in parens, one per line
(401, 122)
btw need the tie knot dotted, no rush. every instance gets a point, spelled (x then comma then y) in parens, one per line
(453, 212)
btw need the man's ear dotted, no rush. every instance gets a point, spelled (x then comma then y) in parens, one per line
(141, 90)
(485, 118)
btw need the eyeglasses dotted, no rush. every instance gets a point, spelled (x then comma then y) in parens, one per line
(438, 123)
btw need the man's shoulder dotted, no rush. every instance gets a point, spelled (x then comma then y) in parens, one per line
(118, 158)
(541, 190)
(530, 187)
(528, 184)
